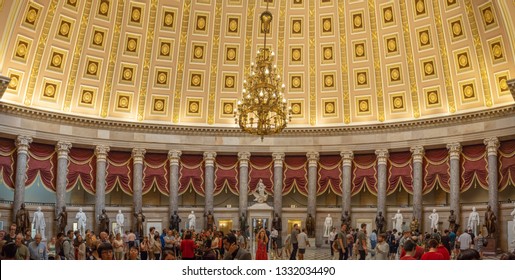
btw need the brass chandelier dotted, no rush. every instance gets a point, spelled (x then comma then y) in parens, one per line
(263, 110)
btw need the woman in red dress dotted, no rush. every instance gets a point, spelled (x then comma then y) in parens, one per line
(261, 241)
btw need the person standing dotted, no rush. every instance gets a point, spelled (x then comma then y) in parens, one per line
(22, 252)
(294, 241)
(464, 240)
(342, 241)
(261, 242)
(382, 249)
(37, 249)
(433, 253)
(332, 236)
(302, 238)
(362, 242)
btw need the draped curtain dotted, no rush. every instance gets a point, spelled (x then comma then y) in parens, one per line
(506, 164)
(330, 174)
(364, 173)
(295, 175)
(81, 168)
(436, 170)
(42, 163)
(191, 174)
(474, 167)
(226, 174)
(7, 161)
(261, 167)
(155, 173)
(400, 172)
(119, 171)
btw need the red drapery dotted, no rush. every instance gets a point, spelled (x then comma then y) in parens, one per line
(81, 168)
(119, 171)
(42, 162)
(7, 160)
(295, 175)
(226, 174)
(400, 172)
(330, 174)
(261, 167)
(155, 173)
(474, 167)
(507, 164)
(364, 173)
(436, 170)
(191, 174)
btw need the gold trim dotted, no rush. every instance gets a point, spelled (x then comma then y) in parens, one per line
(214, 63)
(344, 63)
(312, 67)
(377, 62)
(248, 38)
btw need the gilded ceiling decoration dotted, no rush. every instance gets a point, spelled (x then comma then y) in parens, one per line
(353, 62)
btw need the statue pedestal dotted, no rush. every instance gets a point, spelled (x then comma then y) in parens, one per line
(312, 243)
(490, 248)
(511, 236)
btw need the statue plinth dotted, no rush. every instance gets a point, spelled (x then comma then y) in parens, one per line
(491, 248)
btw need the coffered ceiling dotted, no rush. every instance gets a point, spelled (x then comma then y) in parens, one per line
(352, 62)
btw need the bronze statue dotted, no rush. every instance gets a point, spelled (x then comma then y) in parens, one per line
(413, 226)
(175, 221)
(276, 222)
(380, 222)
(210, 220)
(346, 220)
(140, 218)
(452, 221)
(22, 219)
(104, 222)
(490, 220)
(310, 226)
(62, 220)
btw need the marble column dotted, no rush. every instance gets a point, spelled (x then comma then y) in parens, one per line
(312, 182)
(173, 198)
(347, 157)
(63, 148)
(417, 154)
(243, 158)
(100, 181)
(382, 156)
(278, 183)
(22, 146)
(138, 155)
(492, 144)
(209, 180)
(454, 155)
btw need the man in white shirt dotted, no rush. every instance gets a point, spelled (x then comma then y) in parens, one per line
(332, 235)
(465, 240)
(302, 238)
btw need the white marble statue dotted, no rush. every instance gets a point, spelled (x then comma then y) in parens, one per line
(39, 222)
(513, 214)
(473, 221)
(192, 221)
(120, 220)
(259, 193)
(434, 220)
(328, 224)
(399, 219)
(81, 222)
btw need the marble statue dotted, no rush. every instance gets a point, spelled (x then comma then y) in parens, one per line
(277, 223)
(140, 218)
(513, 215)
(328, 224)
(398, 219)
(62, 220)
(490, 220)
(473, 222)
(192, 221)
(310, 226)
(175, 221)
(22, 219)
(103, 220)
(259, 193)
(243, 223)
(452, 221)
(434, 217)
(346, 219)
(210, 220)
(81, 221)
(380, 222)
(120, 220)
(414, 224)
(39, 222)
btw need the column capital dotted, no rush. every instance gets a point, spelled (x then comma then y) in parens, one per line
(312, 158)
(417, 153)
(137, 155)
(278, 159)
(209, 158)
(174, 156)
(101, 152)
(22, 143)
(347, 157)
(492, 144)
(63, 148)
(382, 156)
(454, 150)
(243, 158)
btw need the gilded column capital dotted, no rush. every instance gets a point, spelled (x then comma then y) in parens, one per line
(312, 158)
(454, 150)
(382, 156)
(22, 144)
(209, 158)
(492, 144)
(101, 152)
(63, 148)
(278, 159)
(137, 155)
(417, 153)
(347, 157)
(244, 158)
(174, 156)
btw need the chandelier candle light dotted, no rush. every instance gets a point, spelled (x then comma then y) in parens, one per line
(263, 109)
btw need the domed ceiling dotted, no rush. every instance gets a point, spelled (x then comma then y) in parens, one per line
(183, 62)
